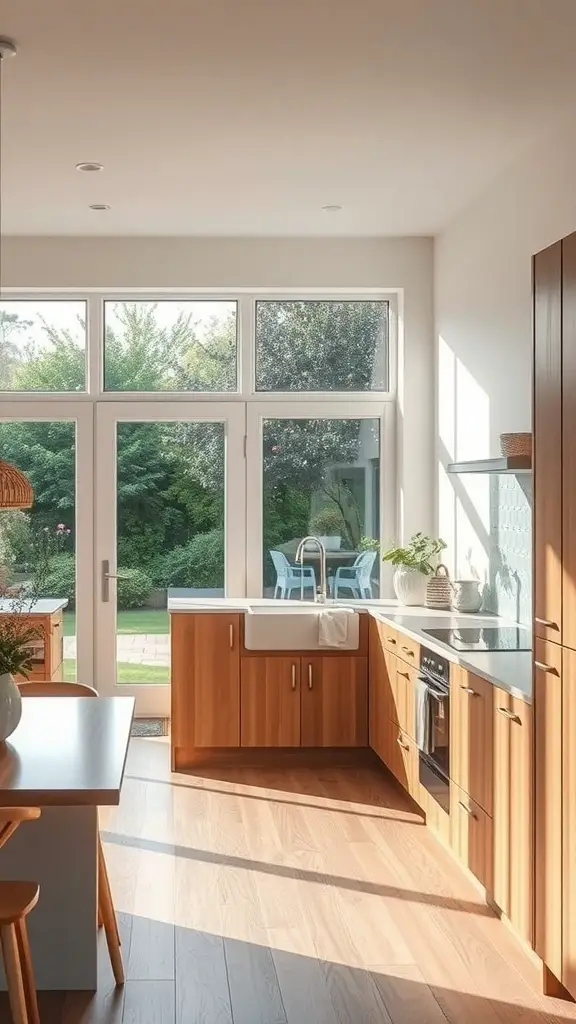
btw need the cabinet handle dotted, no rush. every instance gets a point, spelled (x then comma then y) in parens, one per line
(467, 809)
(408, 652)
(392, 640)
(468, 689)
(309, 677)
(293, 677)
(231, 628)
(406, 675)
(546, 622)
(510, 715)
(401, 743)
(545, 668)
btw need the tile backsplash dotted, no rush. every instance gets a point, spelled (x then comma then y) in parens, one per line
(508, 590)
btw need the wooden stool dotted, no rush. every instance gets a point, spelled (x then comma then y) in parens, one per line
(17, 899)
(106, 912)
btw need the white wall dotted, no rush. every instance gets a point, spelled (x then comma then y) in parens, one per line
(483, 328)
(403, 264)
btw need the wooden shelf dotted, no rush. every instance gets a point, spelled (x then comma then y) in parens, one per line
(516, 464)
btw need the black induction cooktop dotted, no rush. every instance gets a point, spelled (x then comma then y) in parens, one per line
(484, 638)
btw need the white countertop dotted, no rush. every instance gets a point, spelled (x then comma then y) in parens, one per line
(510, 670)
(43, 606)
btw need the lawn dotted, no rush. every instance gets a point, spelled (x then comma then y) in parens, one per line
(126, 673)
(136, 620)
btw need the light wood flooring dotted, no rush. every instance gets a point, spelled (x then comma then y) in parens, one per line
(293, 897)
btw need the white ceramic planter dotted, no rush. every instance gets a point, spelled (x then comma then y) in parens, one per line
(10, 706)
(410, 585)
(467, 596)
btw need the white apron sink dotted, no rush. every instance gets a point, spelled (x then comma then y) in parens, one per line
(293, 628)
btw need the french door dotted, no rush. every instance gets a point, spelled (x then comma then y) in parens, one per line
(146, 549)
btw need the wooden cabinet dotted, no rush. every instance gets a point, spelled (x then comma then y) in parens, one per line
(334, 702)
(205, 683)
(513, 811)
(47, 650)
(404, 692)
(270, 702)
(471, 727)
(379, 689)
(568, 904)
(402, 758)
(565, 455)
(548, 804)
(408, 650)
(472, 841)
(547, 443)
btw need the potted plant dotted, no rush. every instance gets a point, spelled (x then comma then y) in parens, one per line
(414, 564)
(17, 638)
(328, 525)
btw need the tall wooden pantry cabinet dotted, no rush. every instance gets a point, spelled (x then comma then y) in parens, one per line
(554, 427)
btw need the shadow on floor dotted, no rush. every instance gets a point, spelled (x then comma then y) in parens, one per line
(184, 976)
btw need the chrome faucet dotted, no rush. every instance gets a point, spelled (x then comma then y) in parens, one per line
(321, 597)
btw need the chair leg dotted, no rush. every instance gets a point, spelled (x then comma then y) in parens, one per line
(13, 970)
(109, 918)
(27, 972)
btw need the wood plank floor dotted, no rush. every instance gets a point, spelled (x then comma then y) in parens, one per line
(293, 897)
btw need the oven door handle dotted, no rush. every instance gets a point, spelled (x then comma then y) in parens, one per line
(438, 695)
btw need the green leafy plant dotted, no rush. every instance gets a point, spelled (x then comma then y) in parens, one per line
(369, 544)
(420, 553)
(327, 522)
(134, 587)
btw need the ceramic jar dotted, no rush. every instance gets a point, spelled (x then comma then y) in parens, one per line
(10, 706)
(410, 585)
(466, 596)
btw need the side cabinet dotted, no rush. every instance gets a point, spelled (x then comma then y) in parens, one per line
(334, 703)
(205, 694)
(471, 736)
(270, 702)
(547, 443)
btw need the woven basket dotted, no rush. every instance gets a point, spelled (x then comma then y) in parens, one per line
(439, 589)
(15, 489)
(516, 444)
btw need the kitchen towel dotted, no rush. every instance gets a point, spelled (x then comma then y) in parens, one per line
(333, 628)
(423, 717)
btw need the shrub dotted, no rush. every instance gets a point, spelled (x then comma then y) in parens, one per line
(200, 563)
(60, 580)
(134, 587)
(328, 522)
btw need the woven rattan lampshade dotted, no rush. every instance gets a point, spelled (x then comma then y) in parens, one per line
(15, 488)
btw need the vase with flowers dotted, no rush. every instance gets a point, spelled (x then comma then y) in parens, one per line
(414, 564)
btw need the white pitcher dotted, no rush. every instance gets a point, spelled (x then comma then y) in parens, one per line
(466, 596)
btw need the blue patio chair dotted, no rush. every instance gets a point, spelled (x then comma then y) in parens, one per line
(356, 577)
(291, 577)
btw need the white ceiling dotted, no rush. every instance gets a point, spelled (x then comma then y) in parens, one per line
(245, 117)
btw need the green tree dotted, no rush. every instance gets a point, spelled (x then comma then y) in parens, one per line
(11, 326)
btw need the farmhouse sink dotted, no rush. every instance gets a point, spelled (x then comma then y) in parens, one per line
(293, 628)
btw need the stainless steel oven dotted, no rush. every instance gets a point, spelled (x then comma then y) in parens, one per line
(434, 741)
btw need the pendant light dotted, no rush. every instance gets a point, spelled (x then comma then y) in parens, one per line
(15, 488)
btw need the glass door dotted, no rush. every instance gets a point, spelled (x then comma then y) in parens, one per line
(170, 514)
(318, 469)
(47, 549)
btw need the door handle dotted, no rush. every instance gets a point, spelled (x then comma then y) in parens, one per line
(546, 668)
(546, 622)
(107, 576)
(406, 675)
(231, 633)
(510, 715)
(391, 640)
(408, 652)
(309, 677)
(293, 677)
(402, 743)
(467, 809)
(468, 689)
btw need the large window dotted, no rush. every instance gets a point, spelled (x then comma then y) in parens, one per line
(320, 345)
(170, 346)
(42, 345)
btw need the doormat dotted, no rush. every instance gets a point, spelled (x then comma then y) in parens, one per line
(149, 727)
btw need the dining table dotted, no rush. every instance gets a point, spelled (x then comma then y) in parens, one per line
(67, 756)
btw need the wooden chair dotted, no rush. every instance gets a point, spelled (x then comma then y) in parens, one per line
(17, 899)
(106, 912)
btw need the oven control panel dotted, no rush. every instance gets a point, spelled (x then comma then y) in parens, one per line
(435, 665)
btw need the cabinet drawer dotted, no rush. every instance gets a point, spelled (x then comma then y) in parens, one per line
(403, 759)
(408, 650)
(390, 638)
(471, 832)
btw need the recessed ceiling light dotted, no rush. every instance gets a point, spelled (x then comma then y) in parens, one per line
(332, 208)
(99, 206)
(88, 165)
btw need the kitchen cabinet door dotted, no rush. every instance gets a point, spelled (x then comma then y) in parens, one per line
(205, 682)
(471, 831)
(471, 735)
(270, 702)
(513, 810)
(548, 803)
(379, 691)
(334, 702)
(567, 455)
(405, 690)
(547, 444)
(568, 904)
